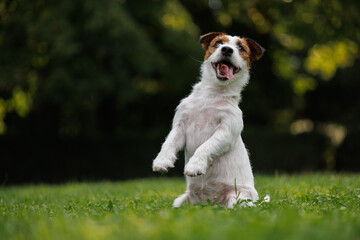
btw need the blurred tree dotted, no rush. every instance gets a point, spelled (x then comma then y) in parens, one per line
(117, 69)
(85, 59)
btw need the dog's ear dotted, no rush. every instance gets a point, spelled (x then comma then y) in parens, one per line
(206, 39)
(256, 51)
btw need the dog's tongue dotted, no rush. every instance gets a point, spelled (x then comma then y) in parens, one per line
(225, 70)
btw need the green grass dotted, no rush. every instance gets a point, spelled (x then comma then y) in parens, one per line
(301, 207)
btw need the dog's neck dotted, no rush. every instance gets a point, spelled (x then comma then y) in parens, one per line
(210, 87)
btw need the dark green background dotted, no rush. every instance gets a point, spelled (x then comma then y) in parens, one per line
(88, 88)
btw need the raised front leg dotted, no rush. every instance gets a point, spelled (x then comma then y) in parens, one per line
(174, 142)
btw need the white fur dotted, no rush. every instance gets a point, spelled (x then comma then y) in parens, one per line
(208, 125)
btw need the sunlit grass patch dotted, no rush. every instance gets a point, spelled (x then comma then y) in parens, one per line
(301, 207)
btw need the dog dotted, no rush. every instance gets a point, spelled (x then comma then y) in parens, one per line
(208, 123)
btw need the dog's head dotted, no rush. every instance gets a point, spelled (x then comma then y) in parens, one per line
(229, 56)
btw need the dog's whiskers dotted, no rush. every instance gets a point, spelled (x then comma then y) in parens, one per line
(196, 60)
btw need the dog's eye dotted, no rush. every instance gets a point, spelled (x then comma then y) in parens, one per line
(218, 43)
(241, 48)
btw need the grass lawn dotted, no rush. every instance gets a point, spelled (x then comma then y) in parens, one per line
(302, 207)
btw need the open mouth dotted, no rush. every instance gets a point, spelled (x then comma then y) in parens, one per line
(225, 70)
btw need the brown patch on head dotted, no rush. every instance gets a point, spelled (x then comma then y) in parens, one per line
(206, 39)
(209, 40)
(250, 50)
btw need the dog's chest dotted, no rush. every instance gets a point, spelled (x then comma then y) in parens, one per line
(203, 118)
(202, 124)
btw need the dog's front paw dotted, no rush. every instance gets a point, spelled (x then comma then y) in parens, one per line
(162, 165)
(195, 167)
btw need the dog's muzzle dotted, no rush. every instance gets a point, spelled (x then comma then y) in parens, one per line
(225, 70)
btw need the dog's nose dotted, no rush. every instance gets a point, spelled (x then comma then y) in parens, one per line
(227, 51)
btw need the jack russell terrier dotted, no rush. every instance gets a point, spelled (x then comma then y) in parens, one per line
(207, 125)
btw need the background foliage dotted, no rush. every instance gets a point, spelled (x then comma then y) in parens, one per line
(88, 88)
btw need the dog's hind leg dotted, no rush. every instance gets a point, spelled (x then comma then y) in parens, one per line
(180, 200)
(244, 193)
(231, 199)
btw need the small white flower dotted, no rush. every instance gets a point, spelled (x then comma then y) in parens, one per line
(267, 198)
